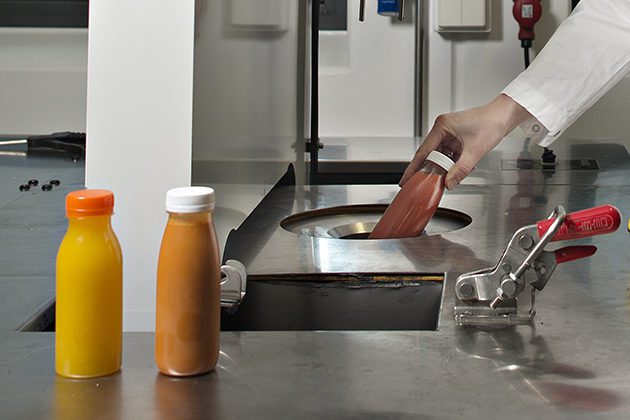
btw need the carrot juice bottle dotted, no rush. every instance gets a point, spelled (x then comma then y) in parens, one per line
(414, 205)
(188, 286)
(88, 338)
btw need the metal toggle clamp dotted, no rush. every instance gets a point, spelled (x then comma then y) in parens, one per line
(505, 294)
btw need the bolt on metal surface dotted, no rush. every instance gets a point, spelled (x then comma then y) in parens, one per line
(466, 289)
(526, 242)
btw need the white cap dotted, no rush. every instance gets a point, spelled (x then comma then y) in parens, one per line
(441, 160)
(190, 199)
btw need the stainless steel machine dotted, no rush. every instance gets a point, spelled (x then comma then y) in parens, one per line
(310, 265)
(307, 264)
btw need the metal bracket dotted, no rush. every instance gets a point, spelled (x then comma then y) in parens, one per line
(498, 295)
(233, 285)
(502, 293)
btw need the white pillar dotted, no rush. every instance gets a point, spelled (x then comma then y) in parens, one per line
(139, 128)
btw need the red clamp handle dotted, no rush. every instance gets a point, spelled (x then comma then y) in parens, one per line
(584, 223)
(572, 253)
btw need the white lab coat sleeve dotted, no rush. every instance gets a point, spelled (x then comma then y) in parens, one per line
(584, 59)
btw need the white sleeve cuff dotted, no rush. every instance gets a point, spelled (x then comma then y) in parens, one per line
(536, 131)
(542, 127)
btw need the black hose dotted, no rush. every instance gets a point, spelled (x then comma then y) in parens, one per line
(526, 52)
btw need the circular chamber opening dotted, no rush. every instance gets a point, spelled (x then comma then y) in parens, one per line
(357, 221)
(365, 235)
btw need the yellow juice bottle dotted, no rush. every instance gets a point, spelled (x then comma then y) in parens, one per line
(88, 340)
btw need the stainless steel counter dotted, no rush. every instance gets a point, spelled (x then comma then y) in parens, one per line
(376, 154)
(572, 362)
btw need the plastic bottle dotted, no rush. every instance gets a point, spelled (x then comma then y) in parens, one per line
(188, 286)
(88, 340)
(414, 205)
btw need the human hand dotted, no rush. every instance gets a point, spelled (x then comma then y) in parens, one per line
(470, 134)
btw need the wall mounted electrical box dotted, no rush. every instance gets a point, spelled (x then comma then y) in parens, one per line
(463, 16)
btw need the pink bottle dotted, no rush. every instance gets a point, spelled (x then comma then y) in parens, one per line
(414, 205)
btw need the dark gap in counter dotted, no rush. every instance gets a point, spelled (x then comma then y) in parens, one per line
(409, 302)
(42, 321)
(335, 302)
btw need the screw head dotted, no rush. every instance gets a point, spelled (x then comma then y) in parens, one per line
(508, 287)
(25, 187)
(466, 290)
(33, 182)
(55, 182)
(526, 242)
(47, 187)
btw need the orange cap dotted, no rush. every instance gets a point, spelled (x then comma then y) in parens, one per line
(85, 203)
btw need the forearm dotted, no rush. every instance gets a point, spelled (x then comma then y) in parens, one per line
(508, 113)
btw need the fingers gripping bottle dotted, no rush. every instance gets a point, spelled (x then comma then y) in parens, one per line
(88, 339)
(188, 286)
(414, 205)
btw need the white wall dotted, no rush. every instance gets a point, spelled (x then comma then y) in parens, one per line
(42, 80)
(608, 118)
(366, 73)
(248, 102)
(246, 81)
(367, 76)
(43, 76)
(139, 126)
